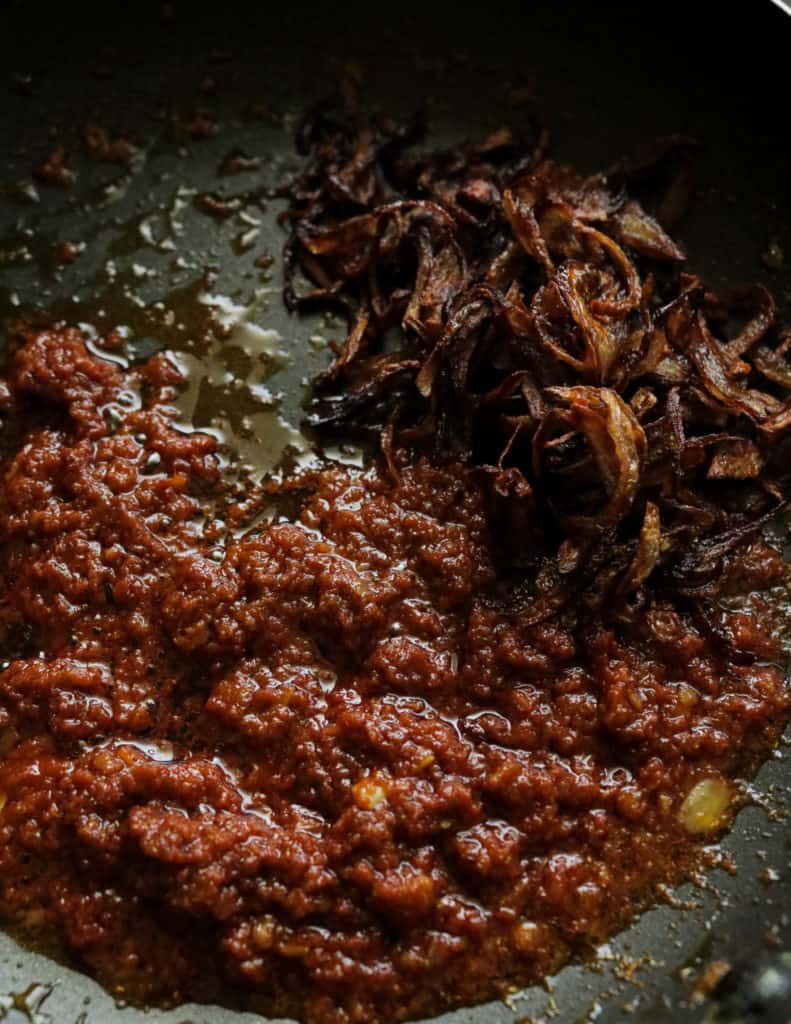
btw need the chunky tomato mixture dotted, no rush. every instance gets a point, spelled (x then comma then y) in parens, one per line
(323, 759)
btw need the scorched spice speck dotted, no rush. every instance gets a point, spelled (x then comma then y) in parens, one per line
(459, 717)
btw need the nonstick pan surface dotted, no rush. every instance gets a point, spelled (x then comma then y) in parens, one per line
(602, 82)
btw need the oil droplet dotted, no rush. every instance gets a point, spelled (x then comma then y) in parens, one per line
(247, 422)
(238, 321)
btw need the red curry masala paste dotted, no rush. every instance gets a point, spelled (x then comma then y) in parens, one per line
(330, 763)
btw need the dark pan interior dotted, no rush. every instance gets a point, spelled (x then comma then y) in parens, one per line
(603, 82)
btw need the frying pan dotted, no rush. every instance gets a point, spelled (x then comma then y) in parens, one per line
(603, 79)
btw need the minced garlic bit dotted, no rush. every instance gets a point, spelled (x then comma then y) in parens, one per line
(369, 793)
(705, 805)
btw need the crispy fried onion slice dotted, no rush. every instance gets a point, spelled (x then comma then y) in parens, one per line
(503, 311)
(615, 440)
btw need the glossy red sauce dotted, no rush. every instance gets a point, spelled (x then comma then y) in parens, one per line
(324, 761)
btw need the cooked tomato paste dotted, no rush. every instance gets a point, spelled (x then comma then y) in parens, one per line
(326, 758)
